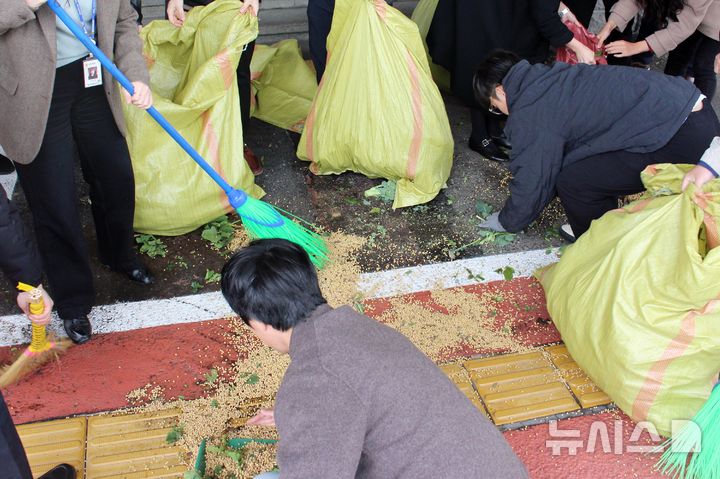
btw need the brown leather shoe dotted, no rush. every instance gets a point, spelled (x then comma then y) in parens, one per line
(252, 161)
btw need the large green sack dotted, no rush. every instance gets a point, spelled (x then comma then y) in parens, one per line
(637, 299)
(377, 110)
(422, 16)
(192, 76)
(283, 85)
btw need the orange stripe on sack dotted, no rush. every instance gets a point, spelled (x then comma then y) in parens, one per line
(414, 153)
(381, 9)
(222, 58)
(711, 228)
(310, 121)
(639, 206)
(677, 347)
(210, 138)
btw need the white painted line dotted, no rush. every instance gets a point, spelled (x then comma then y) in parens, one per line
(201, 307)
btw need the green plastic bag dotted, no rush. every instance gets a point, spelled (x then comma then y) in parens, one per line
(637, 299)
(422, 16)
(377, 110)
(283, 84)
(193, 79)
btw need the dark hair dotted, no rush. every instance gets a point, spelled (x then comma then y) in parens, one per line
(272, 281)
(661, 10)
(490, 73)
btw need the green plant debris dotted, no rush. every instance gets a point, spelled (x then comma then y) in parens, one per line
(214, 404)
(385, 191)
(252, 379)
(508, 272)
(483, 209)
(192, 475)
(174, 435)
(151, 246)
(375, 211)
(196, 286)
(474, 276)
(497, 238)
(177, 262)
(219, 232)
(211, 377)
(212, 276)
(352, 201)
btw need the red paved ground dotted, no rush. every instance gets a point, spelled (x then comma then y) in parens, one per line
(97, 376)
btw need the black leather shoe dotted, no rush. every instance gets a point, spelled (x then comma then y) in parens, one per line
(488, 149)
(502, 141)
(62, 471)
(78, 329)
(140, 275)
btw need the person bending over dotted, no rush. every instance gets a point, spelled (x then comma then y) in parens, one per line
(586, 133)
(359, 399)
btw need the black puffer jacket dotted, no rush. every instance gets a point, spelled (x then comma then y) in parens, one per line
(562, 114)
(18, 257)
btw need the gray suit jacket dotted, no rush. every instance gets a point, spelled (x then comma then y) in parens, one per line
(27, 68)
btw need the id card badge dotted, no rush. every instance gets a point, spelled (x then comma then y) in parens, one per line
(92, 71)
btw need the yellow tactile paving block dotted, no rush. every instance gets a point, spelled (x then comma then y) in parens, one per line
(519, 387)
(459, 376)
(133, 446)
(586, 391)
(48, 444)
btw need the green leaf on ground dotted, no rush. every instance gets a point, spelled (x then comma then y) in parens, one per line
(385, 191)
(151, 246)
(196, 286)
(483, 209)
(508, 272)
(174, 435)
(219, 232)
(211, 376)
(252, 379)
(212, 276)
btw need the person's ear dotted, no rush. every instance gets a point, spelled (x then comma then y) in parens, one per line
(500, 92)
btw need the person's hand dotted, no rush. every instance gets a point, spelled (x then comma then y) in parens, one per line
(142, 98)
(35, 4)
(605, 32)
(583, 53)
(23, 302)
(492, 222)
(266, 417)
(621, 48)
(175, 12)
(253, 6)
(697, 176)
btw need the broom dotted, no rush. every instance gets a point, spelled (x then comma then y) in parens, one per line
(260, 219)
(41, 348)
(694, 453)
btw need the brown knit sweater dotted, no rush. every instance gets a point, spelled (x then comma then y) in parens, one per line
(701, 15)
(360, 401)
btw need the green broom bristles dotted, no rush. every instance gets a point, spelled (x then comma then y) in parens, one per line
(694, 453)
(263, 221)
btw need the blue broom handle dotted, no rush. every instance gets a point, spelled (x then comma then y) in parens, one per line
(120, 77)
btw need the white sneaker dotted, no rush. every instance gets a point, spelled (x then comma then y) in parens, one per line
(566, 233)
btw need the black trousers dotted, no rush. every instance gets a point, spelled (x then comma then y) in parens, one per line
(319, 13)
(243, 82)
(13, 462)
(582, 9)
(80, 120)
(591, 187)
(697, 51)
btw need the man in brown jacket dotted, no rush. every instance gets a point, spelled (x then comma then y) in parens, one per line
(359, 400)
(53, 105)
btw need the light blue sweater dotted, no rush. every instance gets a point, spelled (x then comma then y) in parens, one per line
(69, 48)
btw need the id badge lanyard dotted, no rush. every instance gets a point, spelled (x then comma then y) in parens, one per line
(91, 34)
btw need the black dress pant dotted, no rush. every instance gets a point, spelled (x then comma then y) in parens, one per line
(591, 187)
(13, 462)
(697, 51)
(582, 9)
(80, 121)
(319, 13)
(243, 82)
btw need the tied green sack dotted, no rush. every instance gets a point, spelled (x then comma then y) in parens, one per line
(283, 85)
(192, 76)
(423, 16)
(377, 110)
(637, 299)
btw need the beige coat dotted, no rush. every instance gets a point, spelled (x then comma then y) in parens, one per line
(27, 68)
(702, 15)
